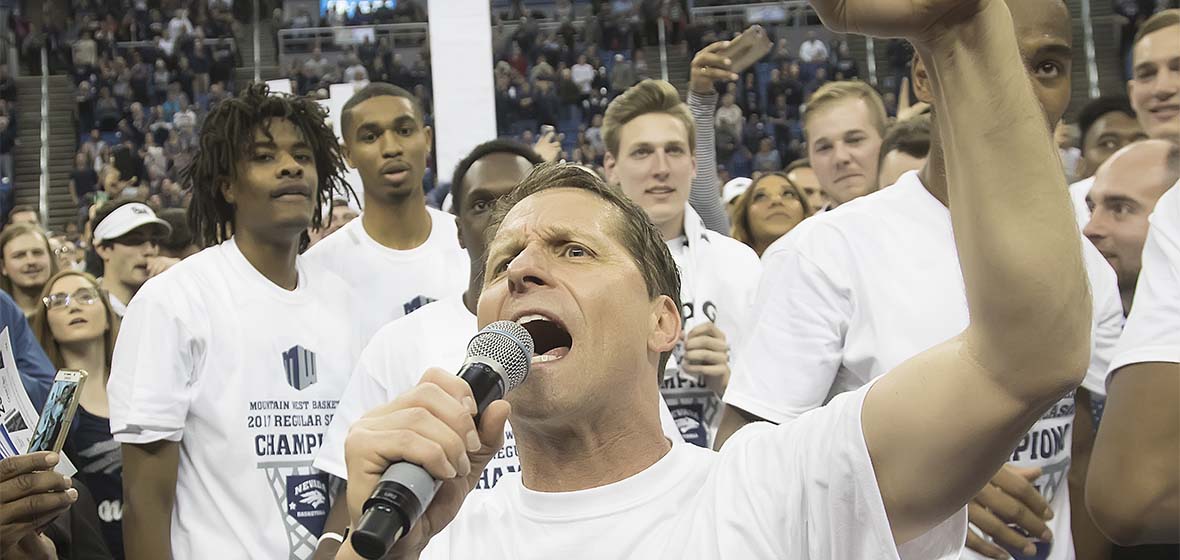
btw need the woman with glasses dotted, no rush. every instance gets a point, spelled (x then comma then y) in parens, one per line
(26, 263)
(770, 208)
(77, 329)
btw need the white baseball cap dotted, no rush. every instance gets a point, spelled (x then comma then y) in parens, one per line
(128, 217)
(734, 188)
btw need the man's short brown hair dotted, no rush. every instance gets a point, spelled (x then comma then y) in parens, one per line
(834, 92)
(648, 96)
(1161, 20)
(910, 137)
(634, 229)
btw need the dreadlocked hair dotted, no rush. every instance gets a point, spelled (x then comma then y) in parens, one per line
(226, 136)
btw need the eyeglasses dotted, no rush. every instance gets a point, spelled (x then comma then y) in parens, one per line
(84, 296)
(63, 250)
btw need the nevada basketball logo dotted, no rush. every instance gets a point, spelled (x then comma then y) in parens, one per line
(299, 363)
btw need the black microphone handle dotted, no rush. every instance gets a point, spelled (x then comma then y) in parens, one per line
(405, 490)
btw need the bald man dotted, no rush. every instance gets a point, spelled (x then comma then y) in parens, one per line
(1126, 188)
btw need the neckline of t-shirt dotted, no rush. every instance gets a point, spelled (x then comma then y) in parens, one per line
(650, 484)
(254, 276)
(432, 240)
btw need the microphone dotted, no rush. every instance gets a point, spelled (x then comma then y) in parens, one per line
(497, 362)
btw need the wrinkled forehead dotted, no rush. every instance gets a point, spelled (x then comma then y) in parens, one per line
(1041, 22)
(555, 213)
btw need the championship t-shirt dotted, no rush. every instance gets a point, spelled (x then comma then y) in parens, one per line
(718, 281)
(805, 490)
(393, 363)
(99, 460)
(1153, 329)
(849, 295)
(388, 283)
(246, 376)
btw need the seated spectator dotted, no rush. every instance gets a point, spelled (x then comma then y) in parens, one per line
(583, 75)
(7, 146)
(813, 50)
(622, 75)
(542, 70)
(7, 85)
(767, 159)
(905, 148)
(821, 78)
(729, 117)
(160, 80)
(107, 111)
(185, 119)
(166, 43)
(85, 52)
(768, 209)
(845, 67)
(355, 72)
(180, 26)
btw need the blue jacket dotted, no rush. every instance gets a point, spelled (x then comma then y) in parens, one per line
(36, 372)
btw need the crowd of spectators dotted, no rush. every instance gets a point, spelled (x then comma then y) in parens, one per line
(143, 85)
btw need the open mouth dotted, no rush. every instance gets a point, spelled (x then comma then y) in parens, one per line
(78, 321)
(1166, 111)
(551, 340)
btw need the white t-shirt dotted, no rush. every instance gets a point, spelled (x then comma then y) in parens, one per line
(718, 282)
(388, 283)
(803, 490)
(393, 363)
(1077, 194)
(246, 376)
(850, 294)
(1153, 329)
(583, 76)
(814, 50)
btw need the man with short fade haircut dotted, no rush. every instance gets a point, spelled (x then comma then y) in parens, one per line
(229, 364)
(906, 147)
(127, 236)
(845, 124)
(803, 176)
(401, 254)
(1107, 124)
(1126, 189)
(649, 134)
(845, 481)
(437, 335)
(1154, 87)
(848, 295)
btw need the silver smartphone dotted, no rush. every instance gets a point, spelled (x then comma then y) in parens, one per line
(58, 414)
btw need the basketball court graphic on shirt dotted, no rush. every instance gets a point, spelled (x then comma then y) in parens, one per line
(416, 303)
(301, 494)
(299, 363)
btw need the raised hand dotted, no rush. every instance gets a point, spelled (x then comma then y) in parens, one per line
(710, 66)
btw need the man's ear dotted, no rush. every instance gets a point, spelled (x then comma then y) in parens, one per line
(227, 191)
(608, 166)
(104, 251)
(346, 153)
(459, 232)
(665, 325)
(429, 132)
(920, 79)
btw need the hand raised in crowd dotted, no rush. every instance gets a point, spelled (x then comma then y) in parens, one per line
(706, 353)
(31, 496)
(431, 425)
(905, 109)
(708, 67)
(549, 146)
(1009, 498)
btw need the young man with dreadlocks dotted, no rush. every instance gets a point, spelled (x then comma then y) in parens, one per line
(401, 254)
(229, 365)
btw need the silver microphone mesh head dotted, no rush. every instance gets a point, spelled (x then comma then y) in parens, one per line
(507, 344)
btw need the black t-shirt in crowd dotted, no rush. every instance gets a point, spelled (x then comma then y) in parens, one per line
(99, 460)
(85, 181)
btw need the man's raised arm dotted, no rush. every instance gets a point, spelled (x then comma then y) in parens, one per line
(940, 425)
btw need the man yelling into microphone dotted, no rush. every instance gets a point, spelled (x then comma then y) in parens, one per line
(846, 481)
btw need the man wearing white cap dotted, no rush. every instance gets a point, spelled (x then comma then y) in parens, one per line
(126, 237)
(733, 189)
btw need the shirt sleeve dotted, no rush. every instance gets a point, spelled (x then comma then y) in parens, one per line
(1153, 328)
(789, 360)
(705, 195)
(154, 370)
(364, 392)
(1108, 324)
(808, 489)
